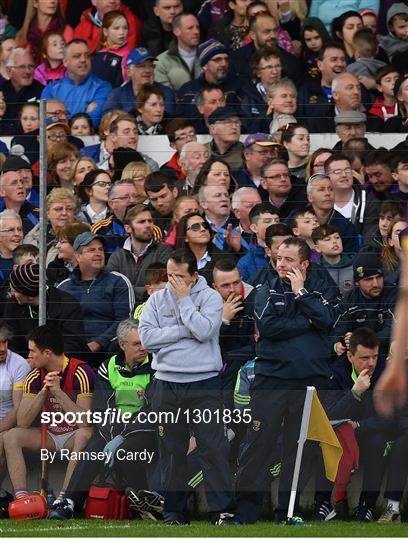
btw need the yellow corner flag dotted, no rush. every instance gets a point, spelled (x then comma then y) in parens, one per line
(321, 430)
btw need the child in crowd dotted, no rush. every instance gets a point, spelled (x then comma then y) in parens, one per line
(365, 51)
(370, 20)
(303, 222)
(24, 254)
(80, 124)
(339, 265)
(313, 36)
(397, 40)
(399, 169)
(29, 117)
(109, 63)
(390, 211)
(52, 54)
(385, 104)
(261, 216)
(156, 279)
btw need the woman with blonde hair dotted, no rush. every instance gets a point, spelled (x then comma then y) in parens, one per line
(137, 172)
(99, 151)
(80, 168)
(392, 251)
(41, 16)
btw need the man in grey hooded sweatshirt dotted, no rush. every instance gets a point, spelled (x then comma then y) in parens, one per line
(180, 325)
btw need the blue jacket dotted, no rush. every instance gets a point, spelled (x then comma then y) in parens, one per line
(312, 100)
(77, 97)
(124, 98)
(93, 151)
(294, 332)
(254, 259)
(105, 301)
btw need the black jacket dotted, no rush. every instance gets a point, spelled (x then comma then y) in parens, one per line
(315, 270)
(295, 200)
(187, 94)
(29, 216)
(396, 124)
(374, 313)
(294, 332)
(324, 123)
(240, 61)
(154, 37)
(63, 311)
(14, 100)
(123, 261)
(237, 337)
(253, 106)
(340, 403)
(215, 254)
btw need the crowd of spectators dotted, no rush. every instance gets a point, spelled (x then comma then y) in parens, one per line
(292, 256)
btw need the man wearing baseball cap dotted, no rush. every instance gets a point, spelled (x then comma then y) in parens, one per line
(106, 298)
(214, 61)
(140, 70)
(370, 304)
(258, 149)
(225, 128)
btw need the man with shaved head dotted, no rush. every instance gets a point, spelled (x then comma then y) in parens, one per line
(346, 96)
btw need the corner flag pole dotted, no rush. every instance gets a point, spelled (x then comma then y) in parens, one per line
(307, 407)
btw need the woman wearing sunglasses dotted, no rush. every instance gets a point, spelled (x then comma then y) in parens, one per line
(93, 193)
(193, 232)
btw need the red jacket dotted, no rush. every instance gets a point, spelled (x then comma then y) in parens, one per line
(174, 163)
(91, 32)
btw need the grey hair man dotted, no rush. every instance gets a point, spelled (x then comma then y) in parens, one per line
(192, 157)
(11, 236)
(243, 200)
(20, 88)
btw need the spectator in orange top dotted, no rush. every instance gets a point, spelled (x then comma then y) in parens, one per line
(90, 25)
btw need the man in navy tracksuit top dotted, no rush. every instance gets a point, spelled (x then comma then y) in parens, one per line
(294, 313)
(180, 325)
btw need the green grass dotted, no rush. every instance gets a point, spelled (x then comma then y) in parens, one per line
(97, 529)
